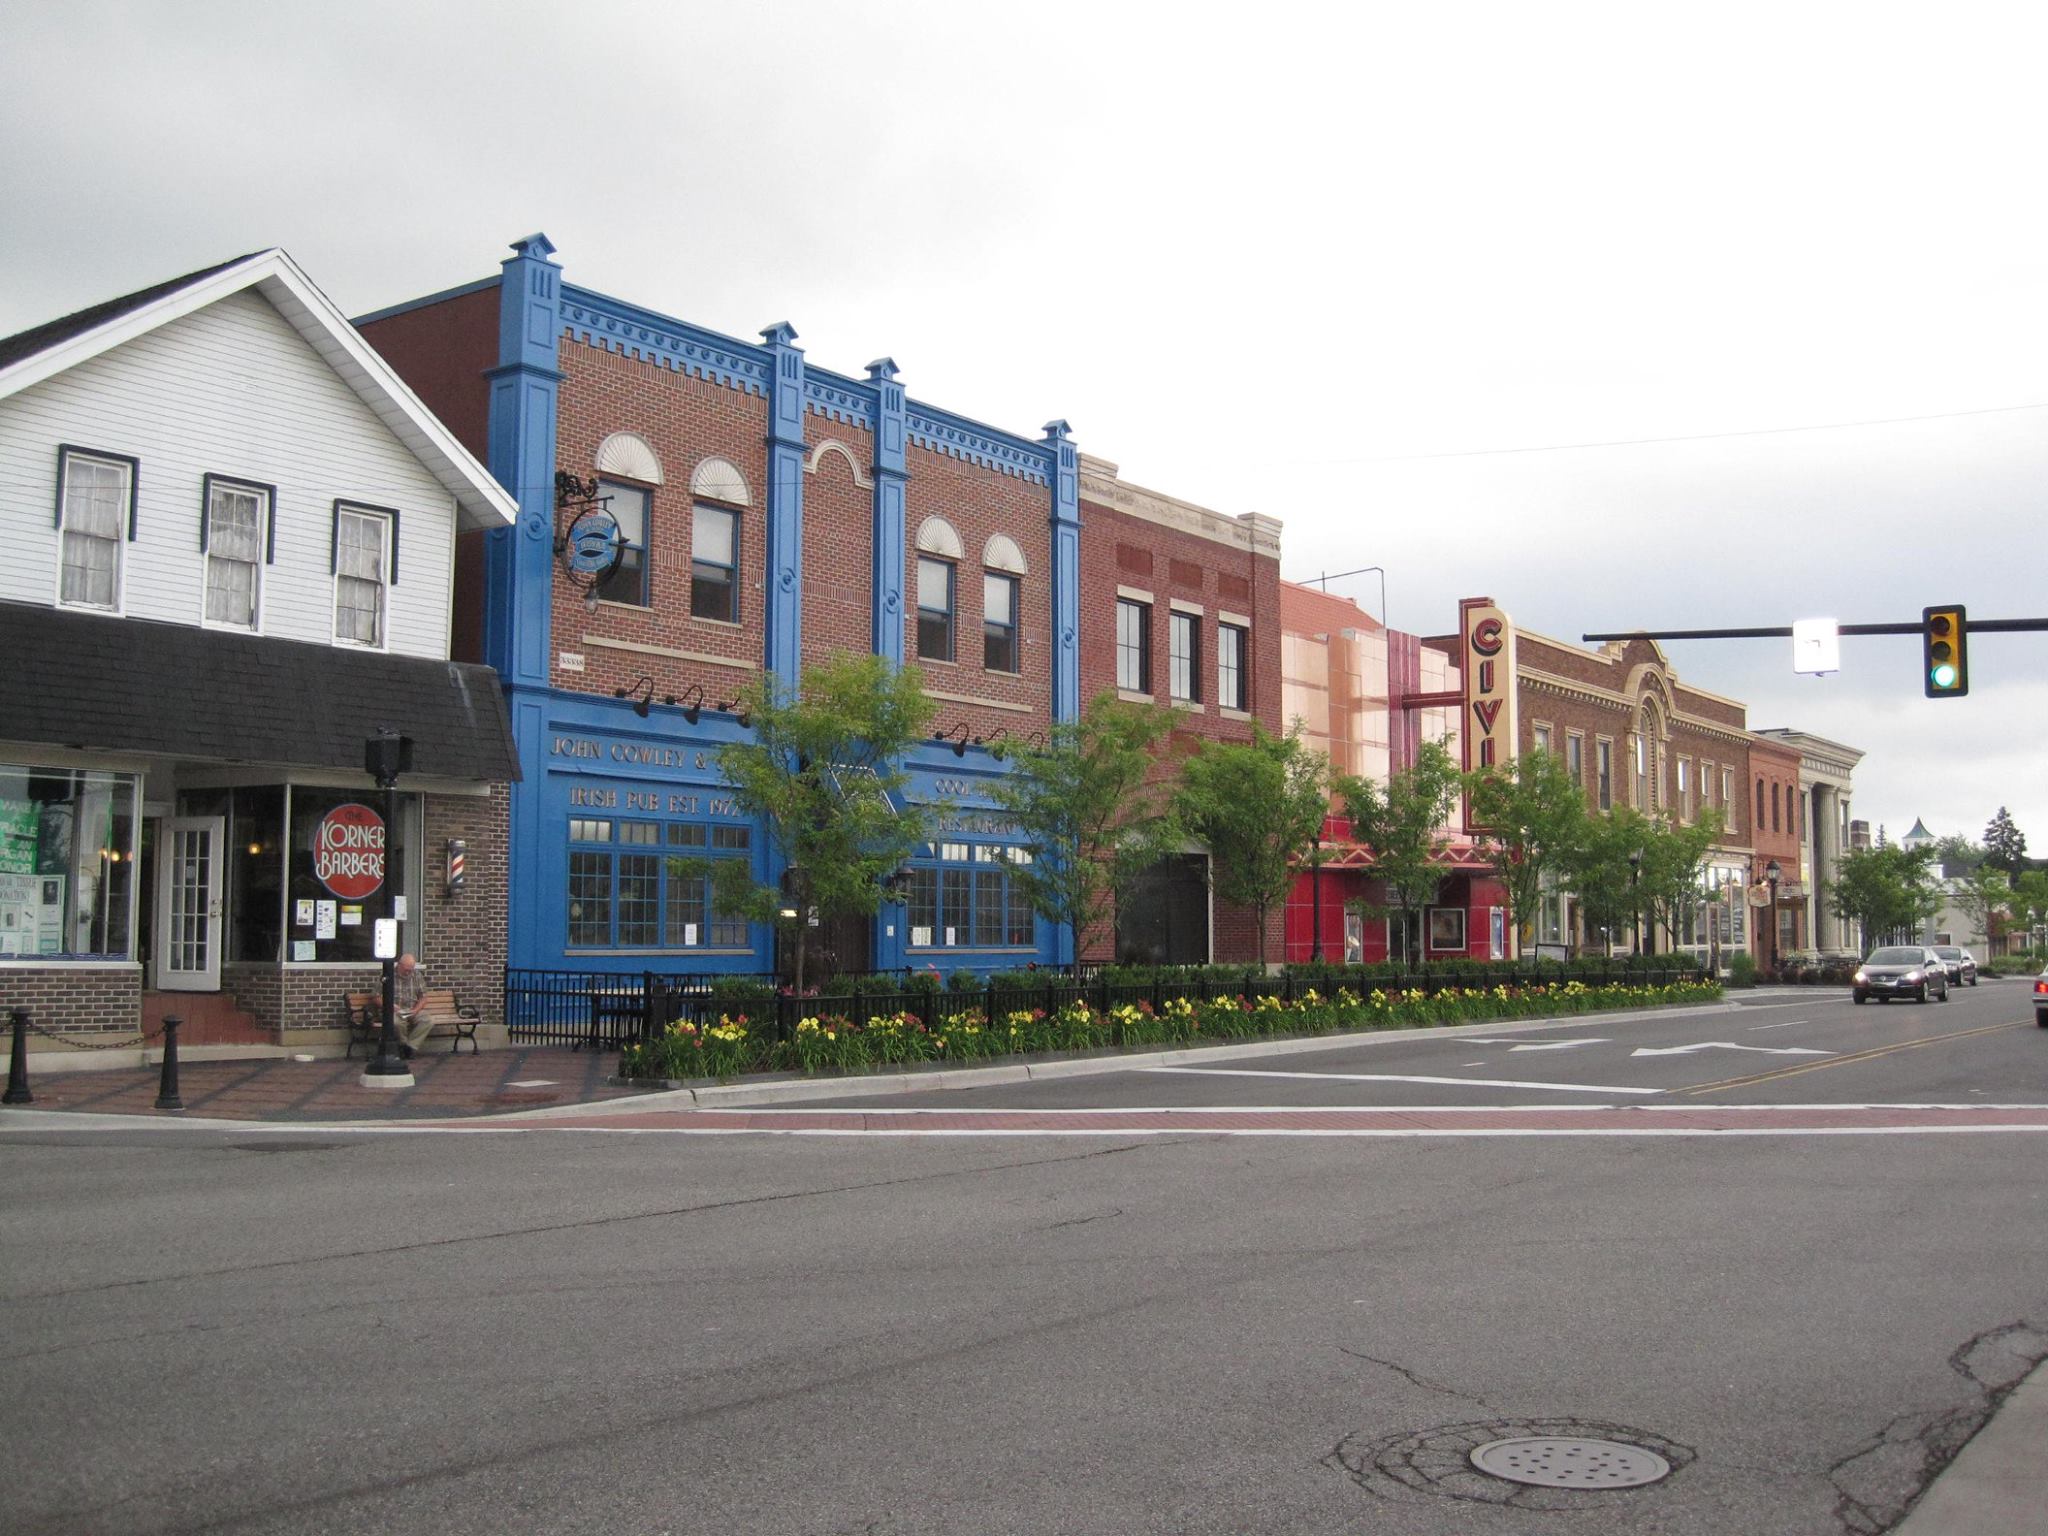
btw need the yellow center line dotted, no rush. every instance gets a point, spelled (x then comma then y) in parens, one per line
(1838, 1061)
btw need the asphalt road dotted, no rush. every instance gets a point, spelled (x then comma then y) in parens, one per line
(548, 1330)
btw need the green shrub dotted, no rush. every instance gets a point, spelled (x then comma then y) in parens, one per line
(1742, 969)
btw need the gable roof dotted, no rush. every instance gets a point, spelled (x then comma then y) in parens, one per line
(31, 356)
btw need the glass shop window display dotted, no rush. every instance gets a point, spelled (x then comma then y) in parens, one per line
(67, 863)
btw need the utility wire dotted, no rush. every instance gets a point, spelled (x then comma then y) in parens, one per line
(1694, 437)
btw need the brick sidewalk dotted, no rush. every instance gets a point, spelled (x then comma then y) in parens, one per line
(444, 1087)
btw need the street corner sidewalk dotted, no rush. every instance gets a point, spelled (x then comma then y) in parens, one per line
(1997, 1485)
(445, 1087)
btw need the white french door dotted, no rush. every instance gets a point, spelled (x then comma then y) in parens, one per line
(188, 907)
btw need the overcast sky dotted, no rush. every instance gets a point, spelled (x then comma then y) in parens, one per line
(1380, 271)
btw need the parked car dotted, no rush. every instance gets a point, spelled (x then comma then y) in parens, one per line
(2041, 999)
(1962, 966)
(1901, 970)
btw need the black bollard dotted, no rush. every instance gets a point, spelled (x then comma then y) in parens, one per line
(167, 1085)
(17, 1063)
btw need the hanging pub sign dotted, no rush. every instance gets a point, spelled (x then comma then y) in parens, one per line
(348, 851)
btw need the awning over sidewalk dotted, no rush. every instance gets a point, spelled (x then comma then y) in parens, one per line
(100, 683)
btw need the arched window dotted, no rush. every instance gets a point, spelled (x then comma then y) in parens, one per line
(939, 553)
(1759, 804)
(719, 495)
(628, 470)
(1003, 572)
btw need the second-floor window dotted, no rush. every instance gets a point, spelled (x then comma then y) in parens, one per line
(1539, 737)
(1604, 771)
(362, 575)
(934, 609)
(1684, 790)
(1133, 646)
(234, 539)
(998, 622)
(1184, 655)
(95, 511)
(715, 563)
(1230, 690)
(628, 581)
(1575, 759)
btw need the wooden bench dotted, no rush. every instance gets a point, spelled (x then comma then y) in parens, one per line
(451, 1018)
(365, 1021)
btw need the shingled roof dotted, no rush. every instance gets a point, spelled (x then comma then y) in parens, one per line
(105, 684)
(52, 333)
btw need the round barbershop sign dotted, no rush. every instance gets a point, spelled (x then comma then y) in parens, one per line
(348, 851)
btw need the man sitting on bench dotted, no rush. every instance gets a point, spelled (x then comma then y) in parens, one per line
(408, 992)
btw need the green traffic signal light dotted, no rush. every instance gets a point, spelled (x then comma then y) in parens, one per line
(1943, 635)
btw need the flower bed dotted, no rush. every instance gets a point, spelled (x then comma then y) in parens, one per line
(834, 1043)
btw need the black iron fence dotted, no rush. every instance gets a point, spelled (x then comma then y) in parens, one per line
(610, 1009)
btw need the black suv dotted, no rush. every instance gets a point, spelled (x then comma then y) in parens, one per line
(1960, 966)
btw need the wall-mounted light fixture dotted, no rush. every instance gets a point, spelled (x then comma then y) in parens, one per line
(695, 707)
(996, 741)
(739, 710)
(644, 686)
(956, 736)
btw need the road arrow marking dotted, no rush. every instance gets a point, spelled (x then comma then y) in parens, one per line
(1540, 1045)
(1729, 1045)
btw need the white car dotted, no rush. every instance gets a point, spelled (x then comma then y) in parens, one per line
(1901, 970)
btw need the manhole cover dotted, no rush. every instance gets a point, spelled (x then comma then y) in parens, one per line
(1497, 1461)
(1548, 1461)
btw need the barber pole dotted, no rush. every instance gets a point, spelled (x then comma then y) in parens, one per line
(457, 857)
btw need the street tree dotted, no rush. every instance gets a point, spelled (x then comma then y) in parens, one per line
(1674, 866)
(2030, 903)
(1255, 805)
(1535, 819)
(1404, 827)
(2005, 844)
(823, 770)
(1091, 811)
(1598, 871)
(1982, 895)
(1957, 856)
(1889, 891)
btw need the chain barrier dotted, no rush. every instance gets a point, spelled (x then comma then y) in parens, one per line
(98, 1045)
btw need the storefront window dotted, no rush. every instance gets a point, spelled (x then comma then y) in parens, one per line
(645, 885)
(963, 896)
(256, 874)
(336, 872)
(67, 864)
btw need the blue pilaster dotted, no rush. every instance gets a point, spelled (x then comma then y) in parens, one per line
(890, 476)
(518, 563)
(1066, 572)
(782, 611)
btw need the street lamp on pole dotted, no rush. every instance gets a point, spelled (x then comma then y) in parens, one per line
(1635, 910)
(385, 756)
(1315, 876)
(1772, 874)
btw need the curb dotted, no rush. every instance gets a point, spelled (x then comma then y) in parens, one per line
(797, 1090)
(1995, 1486)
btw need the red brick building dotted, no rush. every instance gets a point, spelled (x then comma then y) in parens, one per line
(1180, 606)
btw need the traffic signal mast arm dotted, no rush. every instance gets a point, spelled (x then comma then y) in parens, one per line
(1784, 631)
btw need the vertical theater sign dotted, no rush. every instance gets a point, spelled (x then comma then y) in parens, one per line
(1489, 725)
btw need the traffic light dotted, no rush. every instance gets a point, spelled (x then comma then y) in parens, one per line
(1944, 644)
